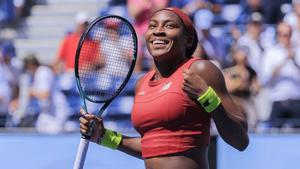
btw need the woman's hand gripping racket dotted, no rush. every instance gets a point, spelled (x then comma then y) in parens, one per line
(105, 59)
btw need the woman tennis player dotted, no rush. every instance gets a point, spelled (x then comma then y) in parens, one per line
(174, 102)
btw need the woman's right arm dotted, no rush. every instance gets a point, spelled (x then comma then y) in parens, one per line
(128, 145)
(131, 146)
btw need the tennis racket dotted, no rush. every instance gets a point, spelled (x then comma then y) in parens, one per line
(105, 59)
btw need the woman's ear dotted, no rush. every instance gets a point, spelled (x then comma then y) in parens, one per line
(190, 39)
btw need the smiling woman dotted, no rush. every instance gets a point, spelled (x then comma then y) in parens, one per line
(175, 102)
(176, 31)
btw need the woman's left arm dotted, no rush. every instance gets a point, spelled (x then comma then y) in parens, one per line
(229, 119)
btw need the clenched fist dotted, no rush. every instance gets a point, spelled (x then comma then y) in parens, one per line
(193, 84)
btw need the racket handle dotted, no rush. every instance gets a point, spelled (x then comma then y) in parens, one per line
(90, 132)
(81, 153)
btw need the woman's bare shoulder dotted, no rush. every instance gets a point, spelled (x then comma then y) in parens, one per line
(205, 67)
(210, 72)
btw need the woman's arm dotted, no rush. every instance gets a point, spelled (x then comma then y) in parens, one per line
(128, 145)
(230, 120)
(131, 146)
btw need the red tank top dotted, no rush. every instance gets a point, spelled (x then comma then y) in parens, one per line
(167, 119)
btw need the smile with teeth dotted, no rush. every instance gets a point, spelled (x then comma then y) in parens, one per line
(159, 42)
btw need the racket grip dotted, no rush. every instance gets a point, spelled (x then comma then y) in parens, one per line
(81, 153)
(90, 132)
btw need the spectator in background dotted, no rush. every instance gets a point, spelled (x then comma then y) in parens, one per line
(65, 58)
(7, 13)
(293, 19)
(249, 7)
(23, 10)
(281, 74)
(64, 62)
(5, 95)
(251, 39)
(23, 7)
(213, 47)
(11, 64)
(270, 9)
(256, 39)
(231, 37)
(9, 76)
(190, 7)
(13, 12)
(241, 82)
(51, 104)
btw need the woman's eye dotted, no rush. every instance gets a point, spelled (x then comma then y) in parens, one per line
(151, 26)
(170, 26)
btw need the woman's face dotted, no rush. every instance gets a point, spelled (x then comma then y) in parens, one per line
(166, 37)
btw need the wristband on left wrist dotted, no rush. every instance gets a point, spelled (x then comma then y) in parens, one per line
(209, 100)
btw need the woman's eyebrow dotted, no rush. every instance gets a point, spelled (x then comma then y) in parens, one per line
(165, 21)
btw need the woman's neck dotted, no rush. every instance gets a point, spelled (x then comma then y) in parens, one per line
(165, 69)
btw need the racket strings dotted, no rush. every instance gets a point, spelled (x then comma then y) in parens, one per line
(105, 59)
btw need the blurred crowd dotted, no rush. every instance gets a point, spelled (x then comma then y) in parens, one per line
(255, 42)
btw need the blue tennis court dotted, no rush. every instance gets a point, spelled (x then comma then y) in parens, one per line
(36, 151)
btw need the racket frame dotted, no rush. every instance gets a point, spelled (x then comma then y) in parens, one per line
(133, 59)
(84, 141)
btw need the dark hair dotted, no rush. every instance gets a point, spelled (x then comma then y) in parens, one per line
(190, 50)
(30, 60)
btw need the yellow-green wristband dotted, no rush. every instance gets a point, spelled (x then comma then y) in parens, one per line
(111, 139)
(209, 100)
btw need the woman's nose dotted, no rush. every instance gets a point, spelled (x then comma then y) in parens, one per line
(159, 31)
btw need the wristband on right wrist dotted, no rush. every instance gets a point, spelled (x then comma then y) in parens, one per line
(111, 139)
(209, 100)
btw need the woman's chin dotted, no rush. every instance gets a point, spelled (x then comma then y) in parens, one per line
(159, 54)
